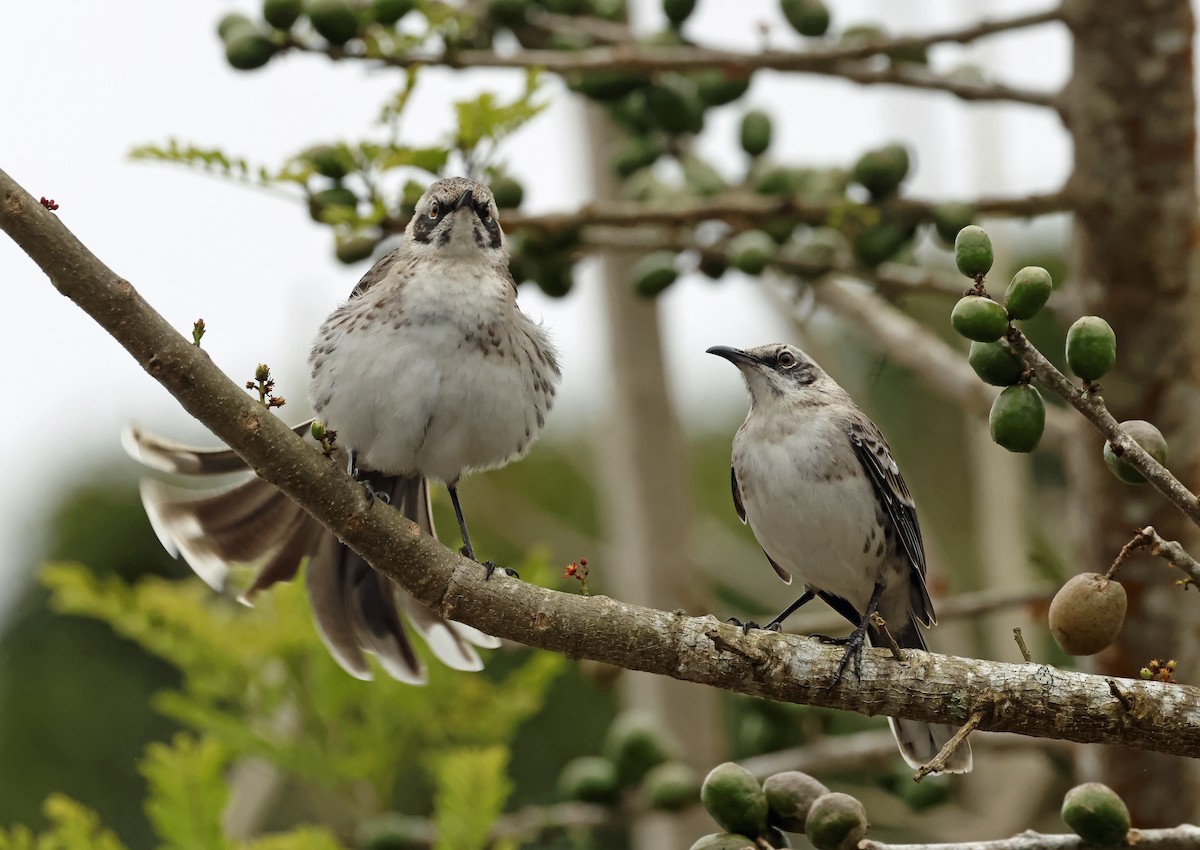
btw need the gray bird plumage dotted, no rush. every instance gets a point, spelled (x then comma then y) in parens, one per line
(428, 371)
(814, 478)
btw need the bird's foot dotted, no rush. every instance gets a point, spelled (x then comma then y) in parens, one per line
(854, 643)
(489, 567)
(372, 493)
(747, 626)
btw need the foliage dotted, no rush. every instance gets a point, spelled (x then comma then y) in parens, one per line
(261, 684)
(472, 788)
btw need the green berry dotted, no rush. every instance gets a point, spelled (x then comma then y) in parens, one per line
(751, 251)
(388, 12)
(755, 132)
(1096, 814)
(701, 178)
(789, 797)
(836, 822)
(979, 318)
(606, 85)
(995, 363)
(950, 218)
(653, 273)
(717, 89)
(1028, 292)
(882, 171)
(807, 17)
(246, 50)
(724, 841)
(674, 110)
(554, 275)
(281, 14)
(507, 192)
(636, 154)
(508, 13)
(880, 241)
(234, 22)
(1091, 348)
(337, 199)
(330, 161)
(973, 251)
(1087, 613)
(735, 800)
(334, 20)
(671, 787)
(713, 264)
(637, 742)
(353, 247)
(1017, 418)
(1145, 435)
(678, 11)
(589, 779)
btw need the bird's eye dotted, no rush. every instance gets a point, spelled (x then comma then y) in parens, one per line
(434, 211)
(786, 359)
(486, 215)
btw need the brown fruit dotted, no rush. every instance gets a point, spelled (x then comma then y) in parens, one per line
(1087, 613)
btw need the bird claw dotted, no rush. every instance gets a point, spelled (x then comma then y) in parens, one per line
(491, 567)
(853, 655)
(372, 493)
(747, 626)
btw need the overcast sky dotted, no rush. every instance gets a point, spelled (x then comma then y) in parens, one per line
(87, 81)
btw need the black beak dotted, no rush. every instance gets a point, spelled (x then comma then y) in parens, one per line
(734, 355)
(463, 200)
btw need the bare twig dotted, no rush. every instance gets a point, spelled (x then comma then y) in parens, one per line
(939, 761)
(1169, 550)
(1092, 406)
(1122, 697)
(926, 686)
(1186, 837)
(1020, 639)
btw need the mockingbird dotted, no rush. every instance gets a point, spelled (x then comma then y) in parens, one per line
(428, 371)
(815, 480)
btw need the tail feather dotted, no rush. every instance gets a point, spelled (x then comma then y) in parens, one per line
(357, 610)
(919, 741)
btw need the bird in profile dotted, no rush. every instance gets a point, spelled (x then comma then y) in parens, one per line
(815, 480)
(427, 372)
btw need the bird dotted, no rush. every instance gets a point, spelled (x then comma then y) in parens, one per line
(428, 371)
(815, 480)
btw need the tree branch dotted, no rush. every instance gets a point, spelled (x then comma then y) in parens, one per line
(848, 62)
(1028, 699)
(1089, 402)
(1184, 837)
(738, 207)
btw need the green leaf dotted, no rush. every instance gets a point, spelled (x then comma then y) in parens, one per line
(486, 118)
(72, 827)
(472, 787)
(187, 792)
(303, 838)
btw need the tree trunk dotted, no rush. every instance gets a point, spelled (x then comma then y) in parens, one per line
(1131, 109)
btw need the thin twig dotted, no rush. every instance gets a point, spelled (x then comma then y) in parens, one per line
(1173, 553)
(1020, 639)
(1121, 696)
(938, 762)
(1092, 406)
(1186, 837)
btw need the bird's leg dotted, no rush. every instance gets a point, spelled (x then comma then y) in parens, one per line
(776, 624)
(855, 640)
(357, 475)
(467, 549)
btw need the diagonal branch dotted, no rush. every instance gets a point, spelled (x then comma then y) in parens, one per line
(1027, 699)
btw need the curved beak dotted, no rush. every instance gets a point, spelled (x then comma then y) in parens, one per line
(734, 355)
(463, 200)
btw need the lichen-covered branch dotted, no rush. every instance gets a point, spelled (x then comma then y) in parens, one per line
(1091, 404)
(1028, 699)
(1184, 837)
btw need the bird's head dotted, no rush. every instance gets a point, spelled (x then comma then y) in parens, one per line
(457, 217)
(779, 373)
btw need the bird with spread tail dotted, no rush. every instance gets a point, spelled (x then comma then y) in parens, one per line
(429, 371)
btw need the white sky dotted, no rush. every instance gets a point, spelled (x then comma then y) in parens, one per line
(85, 81)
